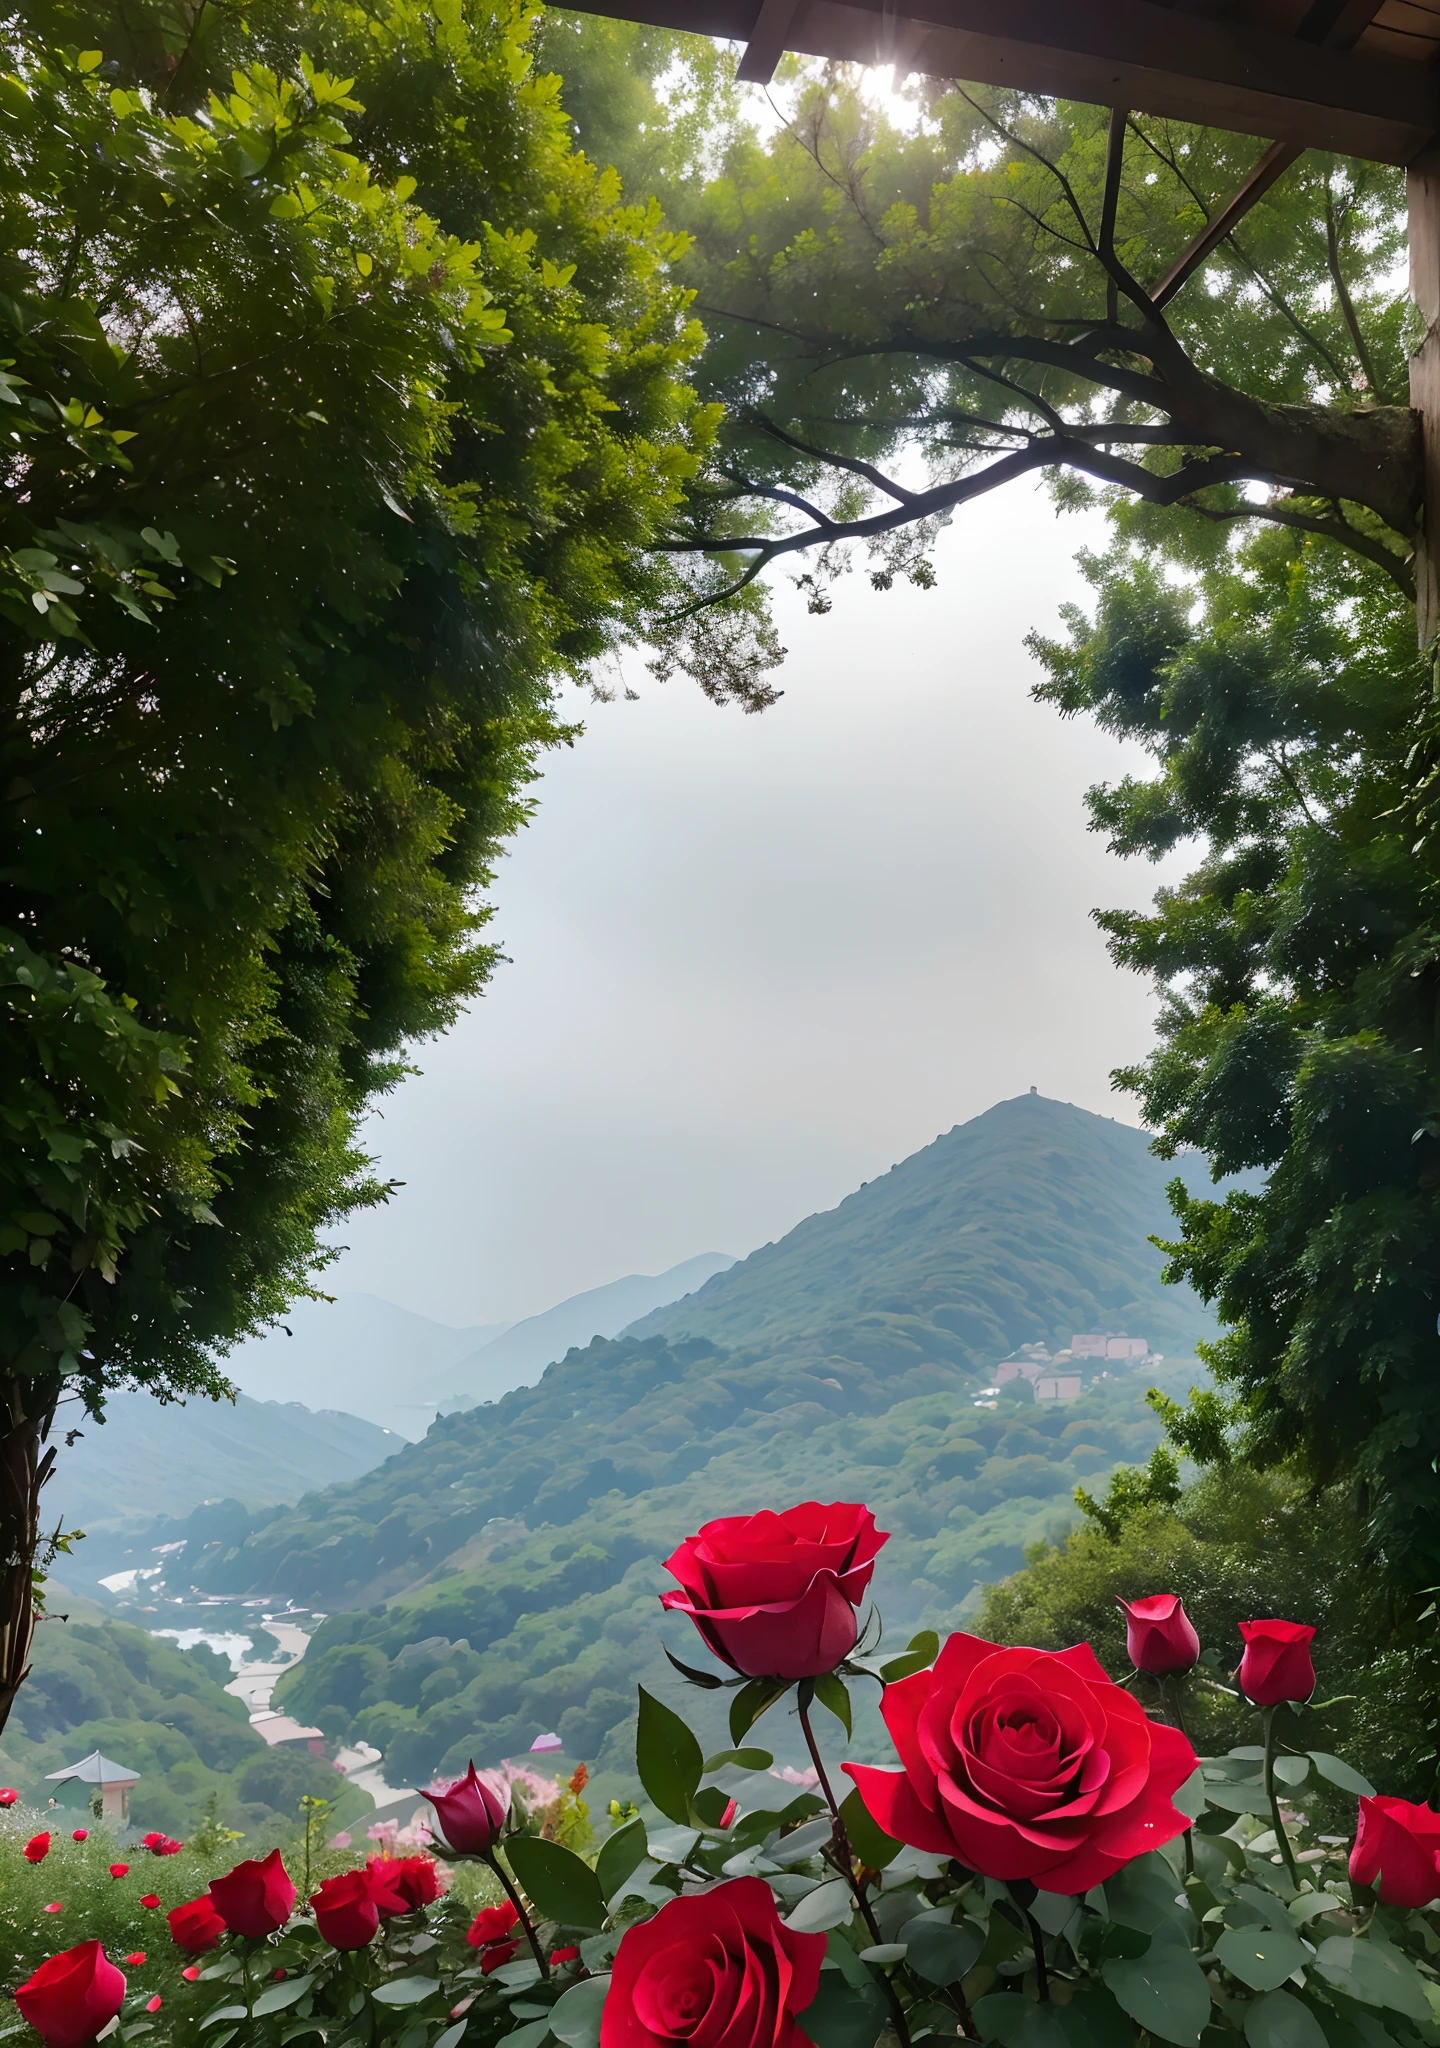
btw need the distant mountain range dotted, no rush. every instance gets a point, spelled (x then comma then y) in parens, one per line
(499, 1579)
(399, 1369)
(148, 1458)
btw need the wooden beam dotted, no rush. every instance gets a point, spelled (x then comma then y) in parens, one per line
(1275, 162)
(767, 41)
(1132, 53)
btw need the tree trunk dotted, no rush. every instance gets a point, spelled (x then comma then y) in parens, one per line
(24, 1469)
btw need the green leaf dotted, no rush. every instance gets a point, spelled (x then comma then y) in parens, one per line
(1017, 2022)
(846, 2013)
(277, 1996)
(668, 1758)
(223, 2012)
(867, 1838)
(451, 2035)
(528, 2036)
(829, 1905)
(711, 1805)
(743, 1759)
(831, 1693)
(1243, 1798)
(1338, 1772)
(707, 1679)
(405, 1990)
(576, 2017)
(1374, 1973)
(940, 1950)
(918, 1656)
(1164, 1990)
(1262, 1957)
(620, 1857)
(751, 1702)
(1279, 2020)
(561, 1886)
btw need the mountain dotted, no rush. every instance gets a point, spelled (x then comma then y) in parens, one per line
(360, 1353)
(1025, 1225)
(523, 1352)
(498, 1580)
(148, 1459)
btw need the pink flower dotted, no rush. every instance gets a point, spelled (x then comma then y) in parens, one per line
(191, 1973)
(154, 2004)
(52, 1909)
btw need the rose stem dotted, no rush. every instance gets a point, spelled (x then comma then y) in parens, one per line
(1282, 1839)
(1037, 1942)
(1170, 1693)
(841, 1843)
(489, 1859)
(962, 2003)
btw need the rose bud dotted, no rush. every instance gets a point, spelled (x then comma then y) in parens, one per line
(80, 1835)
(718, 1966)
(149, 1898)
(1276, 1665)
(775, 1596)
(37, 1848)
(8, 1795)
(195, 1926)
(471, 1813)
(346, 1909)
(70, 1998)
(254, 1898)
(1397, 1850)
(1159, 1635)
(119, 1869)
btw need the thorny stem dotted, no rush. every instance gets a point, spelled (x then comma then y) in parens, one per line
(492, 1862)
(841, 1844)
(1282, 1839)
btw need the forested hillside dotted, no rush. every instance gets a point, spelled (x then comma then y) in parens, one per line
(498, 1579)
(1021, 1226)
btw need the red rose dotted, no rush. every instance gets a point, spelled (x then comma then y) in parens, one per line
(348, 1907)
(70, 1998)
(775, 1596)
(412, 1880)
(255, 1898)
(119, 1869)
(563, 1955)
(151, 1841)
(1159, 1635)
(490, 1933)
(8, 1795)
(1397, 1849)
(195, 1926)
(36, 1849)
(720, 1966)
(149, 1898)
(1026, 1764)
(471, 1812)
(80, 1835)
(1276, 1665)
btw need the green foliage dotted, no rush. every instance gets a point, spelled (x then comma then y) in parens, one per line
(1156, 1485)
(1281, 700)
(344, 395)
(1238, 1544)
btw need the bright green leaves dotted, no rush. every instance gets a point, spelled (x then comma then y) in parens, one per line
(752, 1700)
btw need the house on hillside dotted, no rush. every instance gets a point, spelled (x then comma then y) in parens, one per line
(283, 1731)
(79, 1783)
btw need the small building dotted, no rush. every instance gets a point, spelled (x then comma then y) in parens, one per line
(79, 1784)
(283, 1731)
(1058, 1386)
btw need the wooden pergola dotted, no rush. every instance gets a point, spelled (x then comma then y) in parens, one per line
(1361, 77)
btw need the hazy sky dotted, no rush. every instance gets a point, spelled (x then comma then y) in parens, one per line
(754, 961)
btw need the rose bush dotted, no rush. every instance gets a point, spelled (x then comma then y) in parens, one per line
(1043, 1839)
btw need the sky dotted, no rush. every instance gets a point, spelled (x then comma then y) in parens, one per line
(753, 961)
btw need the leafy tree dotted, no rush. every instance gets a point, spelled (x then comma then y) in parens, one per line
(343, 394)
(1293, 732)
(902, 322)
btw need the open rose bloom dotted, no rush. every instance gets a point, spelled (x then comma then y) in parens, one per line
(776, 1596)
(1022, 1841)
(1026, 1764)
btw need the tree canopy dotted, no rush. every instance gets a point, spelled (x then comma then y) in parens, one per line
(342, 394)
